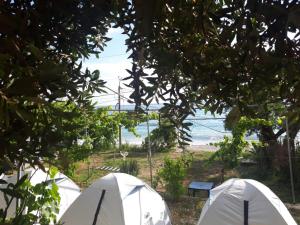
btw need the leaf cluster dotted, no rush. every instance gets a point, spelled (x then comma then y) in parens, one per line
(38, 203)
(214, 55)
(42, 48)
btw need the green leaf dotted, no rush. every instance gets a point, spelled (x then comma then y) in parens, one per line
(21, 181)
(53, 171)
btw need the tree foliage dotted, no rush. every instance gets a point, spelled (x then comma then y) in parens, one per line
(42, 48)
(215, 55)
(210, 54)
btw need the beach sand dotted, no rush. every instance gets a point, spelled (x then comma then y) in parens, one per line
(197, 148)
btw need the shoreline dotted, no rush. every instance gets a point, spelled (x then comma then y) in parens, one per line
(202, 147)
(192, 147)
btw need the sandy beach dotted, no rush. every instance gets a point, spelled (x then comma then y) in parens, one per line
(197, 148)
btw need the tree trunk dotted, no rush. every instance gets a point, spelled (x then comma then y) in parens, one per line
(267, 136)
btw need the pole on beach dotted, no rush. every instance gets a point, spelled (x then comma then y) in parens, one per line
(290, 160)
(120, 127)
(149, 149)
(119, 101)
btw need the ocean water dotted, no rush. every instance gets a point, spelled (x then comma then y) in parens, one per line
(206, 128)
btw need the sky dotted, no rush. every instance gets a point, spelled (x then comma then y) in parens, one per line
(112, 64)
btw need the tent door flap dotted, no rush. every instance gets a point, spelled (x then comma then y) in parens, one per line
(246, 210)
(98, 207)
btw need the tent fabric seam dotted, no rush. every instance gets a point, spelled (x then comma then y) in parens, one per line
(122, 208)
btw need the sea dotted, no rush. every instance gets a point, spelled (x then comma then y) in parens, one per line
(206, 129)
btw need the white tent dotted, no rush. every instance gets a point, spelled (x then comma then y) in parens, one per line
(244, 202)
(68, 190)
(118, 199)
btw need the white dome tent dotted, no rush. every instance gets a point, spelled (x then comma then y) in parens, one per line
(118, 199)
(67, 189)
(244, 202)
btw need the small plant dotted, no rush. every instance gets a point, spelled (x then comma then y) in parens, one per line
(130, 166)
(172, 175)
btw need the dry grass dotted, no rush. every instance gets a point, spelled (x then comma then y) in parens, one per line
(186, 210)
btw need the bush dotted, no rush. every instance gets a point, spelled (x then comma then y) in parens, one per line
(163, 138)
(172, 175)
(130, 167)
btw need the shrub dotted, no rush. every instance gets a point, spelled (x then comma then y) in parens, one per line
(130, 167)
(187, 159)
(163, 138)
(172, 175)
